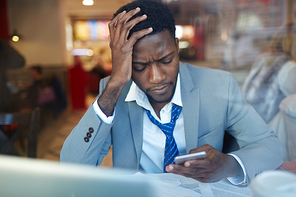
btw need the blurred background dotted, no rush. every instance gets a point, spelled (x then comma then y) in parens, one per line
(68, 39)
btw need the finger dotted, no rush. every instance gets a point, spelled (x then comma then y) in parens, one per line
(180, 173)
(208, 177)
(191, 172)
(122, 21)
(205, 147)
(129, 25)
(197, 176)
(137, 35)
(198, 163)
(112, 26)
(203, 179)
(184, 170)
(129, 15)
(113, 23)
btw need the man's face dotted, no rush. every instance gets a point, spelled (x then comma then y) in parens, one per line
(155, 66)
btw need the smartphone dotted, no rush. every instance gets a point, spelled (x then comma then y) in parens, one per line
(181, 159)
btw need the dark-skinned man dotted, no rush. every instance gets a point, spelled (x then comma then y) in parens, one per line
(153, 108)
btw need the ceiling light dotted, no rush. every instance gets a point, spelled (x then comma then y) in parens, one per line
(15, 37)
(88, 2)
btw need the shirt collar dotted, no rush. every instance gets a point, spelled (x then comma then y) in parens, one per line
(136, 94)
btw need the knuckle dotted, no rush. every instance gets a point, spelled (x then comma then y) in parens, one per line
(121, 20)
(195, 171)
(176, 168)
(136, 35)
(208, 162)
(112, 45)
(123, 50)
(194, 163)
(207, 146)
(204, 178)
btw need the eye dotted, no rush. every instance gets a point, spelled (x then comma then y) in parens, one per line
(167, 61)
(139, 68)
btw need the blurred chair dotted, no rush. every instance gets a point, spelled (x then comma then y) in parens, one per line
(27, 126)
(284, 126)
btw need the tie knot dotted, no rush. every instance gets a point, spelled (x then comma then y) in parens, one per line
(167, 128)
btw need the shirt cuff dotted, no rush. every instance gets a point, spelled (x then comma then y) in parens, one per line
(241, 178)
(101, 114)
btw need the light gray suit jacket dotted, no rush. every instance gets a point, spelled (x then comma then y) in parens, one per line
(212, 105)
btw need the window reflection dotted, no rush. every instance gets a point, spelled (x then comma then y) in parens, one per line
(227, 34)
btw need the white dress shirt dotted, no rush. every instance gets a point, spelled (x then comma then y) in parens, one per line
(152, 157)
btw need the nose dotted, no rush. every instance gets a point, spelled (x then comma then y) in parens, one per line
(156, 73)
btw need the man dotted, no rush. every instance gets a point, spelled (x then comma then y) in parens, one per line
(149, 85)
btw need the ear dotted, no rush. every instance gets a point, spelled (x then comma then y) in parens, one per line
(177, 44)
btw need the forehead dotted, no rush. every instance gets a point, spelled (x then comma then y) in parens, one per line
(154, 46)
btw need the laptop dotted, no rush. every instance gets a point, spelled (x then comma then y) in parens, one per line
(28, 177)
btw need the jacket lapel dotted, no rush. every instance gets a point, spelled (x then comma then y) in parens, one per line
(136, 118)
(191, 100)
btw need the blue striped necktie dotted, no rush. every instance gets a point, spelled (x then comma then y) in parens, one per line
(171, 149)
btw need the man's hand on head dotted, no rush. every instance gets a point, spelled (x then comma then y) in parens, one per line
(121, 47)
(213, 168)
(122, 50)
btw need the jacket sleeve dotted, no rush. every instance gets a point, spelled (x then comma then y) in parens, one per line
(260, 149)
(90, 140)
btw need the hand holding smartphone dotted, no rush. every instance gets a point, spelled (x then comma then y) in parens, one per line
(181, 159)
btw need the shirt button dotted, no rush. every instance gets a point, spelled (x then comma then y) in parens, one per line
(91, 130)
(86, 139)
(88, 135)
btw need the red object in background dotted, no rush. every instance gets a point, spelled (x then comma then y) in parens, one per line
(3, 20)
(199, 41)
(9, 130)
(78, 83)
(11, 127)
(93, 83)
(266, 2)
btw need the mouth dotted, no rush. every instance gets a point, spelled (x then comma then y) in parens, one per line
(159, 89)
(160, 93)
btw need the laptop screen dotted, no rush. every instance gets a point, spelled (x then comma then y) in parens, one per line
(32, 177)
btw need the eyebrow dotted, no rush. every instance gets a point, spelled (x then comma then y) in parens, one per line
(162, 58)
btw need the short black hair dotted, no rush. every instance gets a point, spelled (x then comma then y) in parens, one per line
(159, 17)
